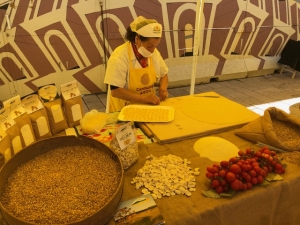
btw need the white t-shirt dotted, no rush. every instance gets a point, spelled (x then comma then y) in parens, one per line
(118, 65)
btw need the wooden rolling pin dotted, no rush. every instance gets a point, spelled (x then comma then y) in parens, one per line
(145, 130)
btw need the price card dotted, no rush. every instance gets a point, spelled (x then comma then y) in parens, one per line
(70, 90)
(125, 135)
(16, 108)
(5, 119)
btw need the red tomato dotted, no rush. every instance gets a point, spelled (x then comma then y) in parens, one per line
(260, 179)
(233, 160)
(245, 167)
(224, 182)
(235, 168)
(254, 180)
(209, 168)
(257, 169)
(257, 154)
(215, 183)
(241, 153)
(249, 151)
(267, 151)
(209, 175)
(219, 189)
(244, 187)
(252, 173)
(230, 177)
(249, 185)
(214, 170)
(224, 163)
(278, 166)
(222, 173)
(235, 185)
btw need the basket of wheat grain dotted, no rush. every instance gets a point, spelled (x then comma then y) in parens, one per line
(61, 180)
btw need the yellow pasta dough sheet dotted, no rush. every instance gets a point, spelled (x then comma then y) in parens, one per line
(145, 113)
(215, 148)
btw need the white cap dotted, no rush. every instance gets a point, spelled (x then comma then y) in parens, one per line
(146, 27)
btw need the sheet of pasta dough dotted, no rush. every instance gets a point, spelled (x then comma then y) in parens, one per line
(216, 149)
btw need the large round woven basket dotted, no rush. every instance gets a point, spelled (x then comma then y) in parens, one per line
(102, 216)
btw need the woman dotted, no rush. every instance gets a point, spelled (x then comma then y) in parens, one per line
(135, 67)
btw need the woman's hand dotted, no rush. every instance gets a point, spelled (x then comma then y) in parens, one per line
(133, 97)
(152, 99)
(163, 89)
(163, 94)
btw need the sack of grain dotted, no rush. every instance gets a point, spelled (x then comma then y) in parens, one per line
(276, 128)
(11, 128)
(5, 146)
(22, 119)
(72, 103)
(125, 145)
(38, 116)
(53, 104)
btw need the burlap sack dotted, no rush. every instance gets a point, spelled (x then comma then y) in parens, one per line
(262, 129)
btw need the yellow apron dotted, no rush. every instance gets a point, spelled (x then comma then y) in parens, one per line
(140, 81)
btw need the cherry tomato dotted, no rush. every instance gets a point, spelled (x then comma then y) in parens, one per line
(235, 168)
(230, 177)
(235, 185)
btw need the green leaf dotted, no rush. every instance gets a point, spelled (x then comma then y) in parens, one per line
(264, 183)
(211, 194)
(229, 193)
(273, 177)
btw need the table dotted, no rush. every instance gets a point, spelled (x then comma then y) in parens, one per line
(278, 203)
(200, 115)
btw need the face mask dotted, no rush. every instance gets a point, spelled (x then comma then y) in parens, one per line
(144, 52)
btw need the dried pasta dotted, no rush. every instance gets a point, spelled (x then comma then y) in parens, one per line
(147, 114)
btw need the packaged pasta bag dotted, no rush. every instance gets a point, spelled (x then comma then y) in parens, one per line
(21, 117)
(53, 105)
(72, 103)
(5, 146)
(125, 145)
(8, 124)
(38, 116)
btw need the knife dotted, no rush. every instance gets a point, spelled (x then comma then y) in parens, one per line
(208, 96)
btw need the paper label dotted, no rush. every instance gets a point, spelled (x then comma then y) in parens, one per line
(76, 112)
(16, 144)
(42, 126)
(7, 154)
(16, 108)
(32, 103)
(5, 119)
(48, 92)
(70, 90)
(27, 134)
(57, 113)
(2, 134)
(125, 135)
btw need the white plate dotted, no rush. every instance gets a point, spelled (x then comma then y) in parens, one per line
(145, 113)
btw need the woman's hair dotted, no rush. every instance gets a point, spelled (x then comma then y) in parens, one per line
(130, 35)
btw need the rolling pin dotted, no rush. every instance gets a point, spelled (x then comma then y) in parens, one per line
(146, 130)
